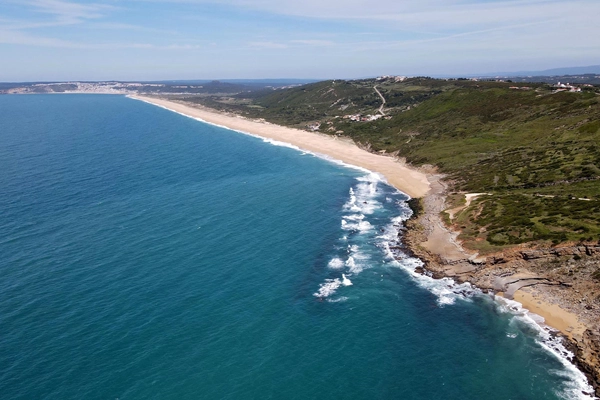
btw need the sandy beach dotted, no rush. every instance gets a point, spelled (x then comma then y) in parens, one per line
(406, 179)
(554, 315)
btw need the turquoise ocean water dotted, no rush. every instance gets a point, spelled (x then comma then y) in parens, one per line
(146, 255)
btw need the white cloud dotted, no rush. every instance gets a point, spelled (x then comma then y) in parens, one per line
(181, 47)
(268, 45)
(61, 13)
(291, 43)
(415, 12)
(313, 42)
(70, 12)
(426, 17)
(19, 38)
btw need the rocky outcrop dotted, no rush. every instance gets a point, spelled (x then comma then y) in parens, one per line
(543, 254)
(587, 356)
(567, 275)
(514, 270)
(580, 251)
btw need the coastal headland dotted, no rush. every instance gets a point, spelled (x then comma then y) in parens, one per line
(518, 273)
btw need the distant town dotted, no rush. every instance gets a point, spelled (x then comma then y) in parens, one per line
(98, 87)
(575, 84)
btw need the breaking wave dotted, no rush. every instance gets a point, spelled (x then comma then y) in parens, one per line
(371, 235)
(359, 223)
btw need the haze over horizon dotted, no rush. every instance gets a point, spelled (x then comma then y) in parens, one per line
(44, 40)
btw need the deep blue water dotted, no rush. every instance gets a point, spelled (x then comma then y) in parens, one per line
(146, 255)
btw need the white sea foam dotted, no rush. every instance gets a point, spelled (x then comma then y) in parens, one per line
(283, 144)
(353, 248)
(340, 299)
(351, 264)
(357, 260)
(576, 383)
(328, 288)
(362, 203)
(336, 263)
(361, 226)
(387, 251)
(305, 152)
(364, 226)
(346, 281)
(389, 233)
(350, 205)
(372, 177)
(389, 237)
(448, 292)
(354, 217)
(362, 196)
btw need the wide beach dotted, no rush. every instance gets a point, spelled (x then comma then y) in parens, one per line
(406, 179)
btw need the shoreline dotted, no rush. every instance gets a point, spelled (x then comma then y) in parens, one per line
(404, 178)
(518, 274)
(440, 248)
(427, 237)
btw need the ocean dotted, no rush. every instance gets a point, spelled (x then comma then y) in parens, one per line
(147, 255)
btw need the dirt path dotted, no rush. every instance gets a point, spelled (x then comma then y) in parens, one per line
(382, 101)
(469, 197)
(440, 240)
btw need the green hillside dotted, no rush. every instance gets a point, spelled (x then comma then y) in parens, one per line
(534, 149)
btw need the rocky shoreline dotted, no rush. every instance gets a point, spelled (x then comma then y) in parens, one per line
(553, 282)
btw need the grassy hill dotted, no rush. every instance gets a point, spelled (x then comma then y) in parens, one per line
(535, 150)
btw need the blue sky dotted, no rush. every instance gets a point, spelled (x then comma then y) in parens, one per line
(203, 39)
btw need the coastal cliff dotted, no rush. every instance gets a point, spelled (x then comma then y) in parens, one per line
(558, 282)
